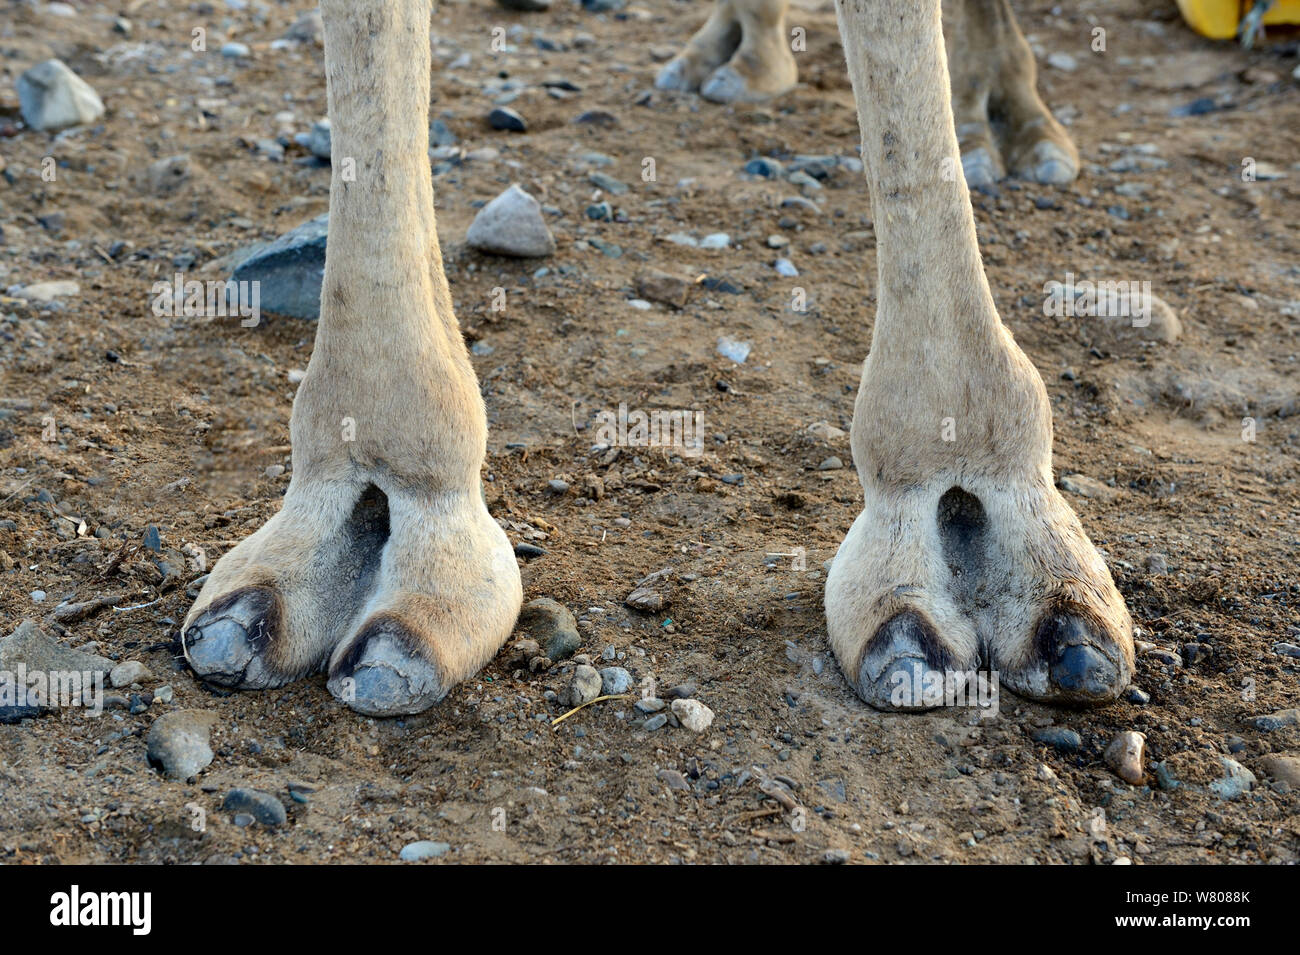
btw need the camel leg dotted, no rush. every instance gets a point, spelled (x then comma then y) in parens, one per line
(384, 562)
(1002, 122)
(741, 55)
(965, 553)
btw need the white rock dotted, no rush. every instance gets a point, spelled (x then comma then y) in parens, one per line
(52, 97)
(1124, 755)
(511, 224)
(716, 240)
(693, 714)
(48, 291)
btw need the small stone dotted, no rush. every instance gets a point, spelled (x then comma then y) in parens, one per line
(46, 292)
(662, 287)
(737, 351)
(318, 140)
(1063, 62)
(1058, 737)
(614, 680)
(553, 625)
(584, 686)
(673, 780)
(682, 691)
(128, 672)
(425, 849)
(786, 268)
(1164, 776)
(1282, 768)
(511, 224)
(507, 119)
(762, 166)
(1137, 696)
(235, 51)
(164, 694)
(52, 97)
(832, 463)
(1164, 657)
(179, 742)
(716, 240)
(658, 721)
(529, 551)
(1125, 754)
(650, 705)
(1287, 649)
(1085, 486)
(262, 806)
(835, 857)
(646, 599)
(1237, 780)
(1276, 721)
(1156, 564)
(695, 716)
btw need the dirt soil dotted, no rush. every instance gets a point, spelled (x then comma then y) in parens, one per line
(174, 422)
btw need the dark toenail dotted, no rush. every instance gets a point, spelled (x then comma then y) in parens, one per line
(1083, 670)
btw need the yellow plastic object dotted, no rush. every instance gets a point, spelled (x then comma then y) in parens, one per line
(1218, 19)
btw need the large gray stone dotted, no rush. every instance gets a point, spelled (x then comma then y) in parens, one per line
(179, 743)
(52, 97)
(290, 270)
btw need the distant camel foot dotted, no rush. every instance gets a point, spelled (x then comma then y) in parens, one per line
(935, 581)
(740, 55)
(1002, 123)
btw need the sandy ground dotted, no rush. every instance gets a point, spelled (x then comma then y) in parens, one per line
(174, 423)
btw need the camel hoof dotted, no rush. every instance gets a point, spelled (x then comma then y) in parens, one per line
(893, 671)
(675, 77)
(1078, 670)
(980, 168)
(225, 644)
(1052, 165)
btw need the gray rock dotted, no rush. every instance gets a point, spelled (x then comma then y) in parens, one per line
(290, 270)
(179, 742)
(235, 51)
(29, 646)
(502, 117)
(52, 97)
(682, 691)
(131, 671)
(673, 779)
(651, 705)
(552, 625)
(1236, 782)
(45, 292)
(262, 806)
(1276, 721)
(658, 721)
(584, 686)
(614, 680)
(425, 849)
(318, 140)
(694, 715)
(511, 224)
(1287, 649)
(1058, 737)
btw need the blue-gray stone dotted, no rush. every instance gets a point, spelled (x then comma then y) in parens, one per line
(290, 270)
(425, 849)
(1058, 737)
(265, 808)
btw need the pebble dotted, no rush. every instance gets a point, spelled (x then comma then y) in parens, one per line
(608, 183)
(584, 686)
(318, 140)
(614, 680)
(716, 240)
(832, 463)
(1282, 768)
(694, 715)
(1125, 754)
(529, 551)
(1164, 776)
(658, 721)
(235, 51)
(128, 672)
(164, 694)
(52, 97)
(179, 743)
(1276, 721)
(835, 856)
(673, 780)
(1085, 486)
(1287, 649)
(502, 117)
(663, 287)
(511, 224)
(1137, 695)
(651, 705)
(785, 267)
(265, 808)
(737, 351)
(1058, 737)
(1237, 780)
(1063, 62)
(682, 691)
(762, 166)
(46, 292)
(553, 625)
(425, 849)
(1164, 657)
